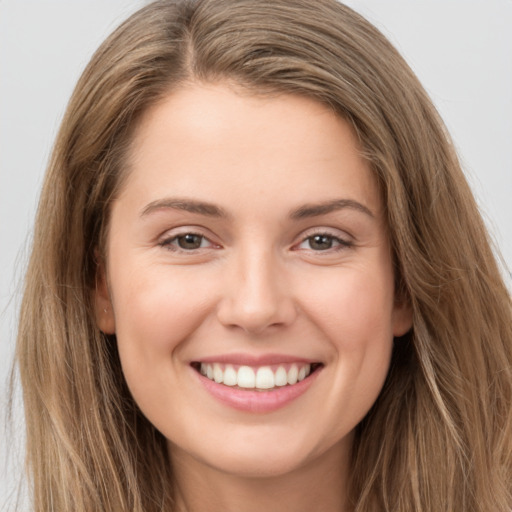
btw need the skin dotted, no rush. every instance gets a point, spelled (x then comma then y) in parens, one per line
(257, 284)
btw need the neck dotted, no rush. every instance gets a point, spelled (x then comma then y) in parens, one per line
(317, 485)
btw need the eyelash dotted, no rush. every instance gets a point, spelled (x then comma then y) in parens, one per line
(171, 243)
(341, 243)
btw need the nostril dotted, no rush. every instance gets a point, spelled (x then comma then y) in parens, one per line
(254, 316)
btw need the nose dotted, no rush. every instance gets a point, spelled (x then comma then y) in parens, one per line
(255, 294)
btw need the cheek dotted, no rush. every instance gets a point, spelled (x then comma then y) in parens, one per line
(155, 313)
(369, 308)
(354, 308)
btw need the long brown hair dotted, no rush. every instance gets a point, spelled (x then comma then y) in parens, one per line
(439, 437)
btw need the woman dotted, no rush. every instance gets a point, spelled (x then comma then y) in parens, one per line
(259, 279)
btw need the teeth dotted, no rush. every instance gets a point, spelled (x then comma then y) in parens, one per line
(230, 376)
(293, 373)
(218, 375)
(246, 377)
(263, 377)
(281, 377)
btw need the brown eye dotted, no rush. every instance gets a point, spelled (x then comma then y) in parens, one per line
(323, 242)
(189, 241)
(320, 242)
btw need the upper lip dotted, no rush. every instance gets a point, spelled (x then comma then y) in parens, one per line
(254, 360)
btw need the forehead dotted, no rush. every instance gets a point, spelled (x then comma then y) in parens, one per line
(223, 141)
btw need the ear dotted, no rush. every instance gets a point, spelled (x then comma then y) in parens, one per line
(102, 304)
(402, 317)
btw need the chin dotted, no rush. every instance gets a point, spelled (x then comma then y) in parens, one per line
(257, 465)
(264, 453)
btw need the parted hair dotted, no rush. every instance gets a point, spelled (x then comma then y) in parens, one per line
(439, 437)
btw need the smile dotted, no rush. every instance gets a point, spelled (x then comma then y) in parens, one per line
(260, 378)
(256, 386)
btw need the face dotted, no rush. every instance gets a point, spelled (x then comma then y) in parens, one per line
(248, 244)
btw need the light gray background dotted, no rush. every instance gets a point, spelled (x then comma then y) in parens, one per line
(460, 49)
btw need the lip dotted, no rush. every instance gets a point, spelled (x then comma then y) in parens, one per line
(256, 401)
(260, 360)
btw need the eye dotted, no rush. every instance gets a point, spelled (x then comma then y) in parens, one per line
(190, 241)
(323, 242)
(186, 242)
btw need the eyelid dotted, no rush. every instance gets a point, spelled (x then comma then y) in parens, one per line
(344, 239)
(169, 236)
(165, 240)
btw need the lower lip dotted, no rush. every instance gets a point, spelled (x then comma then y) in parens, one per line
(257, 401)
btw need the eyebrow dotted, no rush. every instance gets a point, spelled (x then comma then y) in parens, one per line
(315, 210)
(188, 205)
(211, 210)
